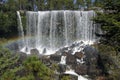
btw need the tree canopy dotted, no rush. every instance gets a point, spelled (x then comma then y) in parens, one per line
(110, 22)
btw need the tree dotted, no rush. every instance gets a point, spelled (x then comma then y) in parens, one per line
(37, 69)
(8, 22)
(110, 22)
(8, 64)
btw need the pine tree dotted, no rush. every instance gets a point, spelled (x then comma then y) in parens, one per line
(110, 22)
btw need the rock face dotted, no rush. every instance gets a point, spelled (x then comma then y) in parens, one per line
(91, 60)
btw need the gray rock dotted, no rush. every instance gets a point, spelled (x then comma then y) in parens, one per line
(44, 50)
(70, 59)
(55, 57)
(34, 52)
(22, 56)
(62, 68)
(81, 69)
(79, 55)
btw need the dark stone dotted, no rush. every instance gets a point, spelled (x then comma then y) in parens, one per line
(90, 52)
(44, 50)
(79, 55)
(92, 58)
(91, 55)
(34, 52)
(46, 60)
(81, 69)
(65, 49)
(55, 57)
(70, 52)
(65, 54)
(22, 56)
(70, 59)
(26, 49)
(62, 68)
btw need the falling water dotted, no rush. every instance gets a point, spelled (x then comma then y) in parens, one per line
(21, 32)
(66, 31)
(55, 29)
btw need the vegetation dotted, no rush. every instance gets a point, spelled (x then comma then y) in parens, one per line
(110, 23)
(12, 68)
(109, 62)
(109, 47)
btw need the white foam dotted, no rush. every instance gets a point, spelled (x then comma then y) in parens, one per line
(63, 60)
(72, 72)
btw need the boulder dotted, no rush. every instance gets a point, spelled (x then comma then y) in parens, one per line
(65, 54)
(55, 57)
(70, 60)
(65, 49)
(34, 52)
(44, 51)
(62, 68)
(22, 56)
(91, 56)
(90, 52)
(46, 60)
(81, 69)
(79, 55)
(91, 61)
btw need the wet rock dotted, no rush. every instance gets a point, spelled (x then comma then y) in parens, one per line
(34, 52)
(22, 56)
(90, 52)
(79, 55)
(65, 49)
(62, 68)
(46, 60)
(81, 69)
(91, 55)
(55, 57)
(70, 51)
(65, 54)
(44, 50)
(91, 59)
(70, 59)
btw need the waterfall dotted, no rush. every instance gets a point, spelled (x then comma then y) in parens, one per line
(63, 60)
(21, 32)
(55, 29)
